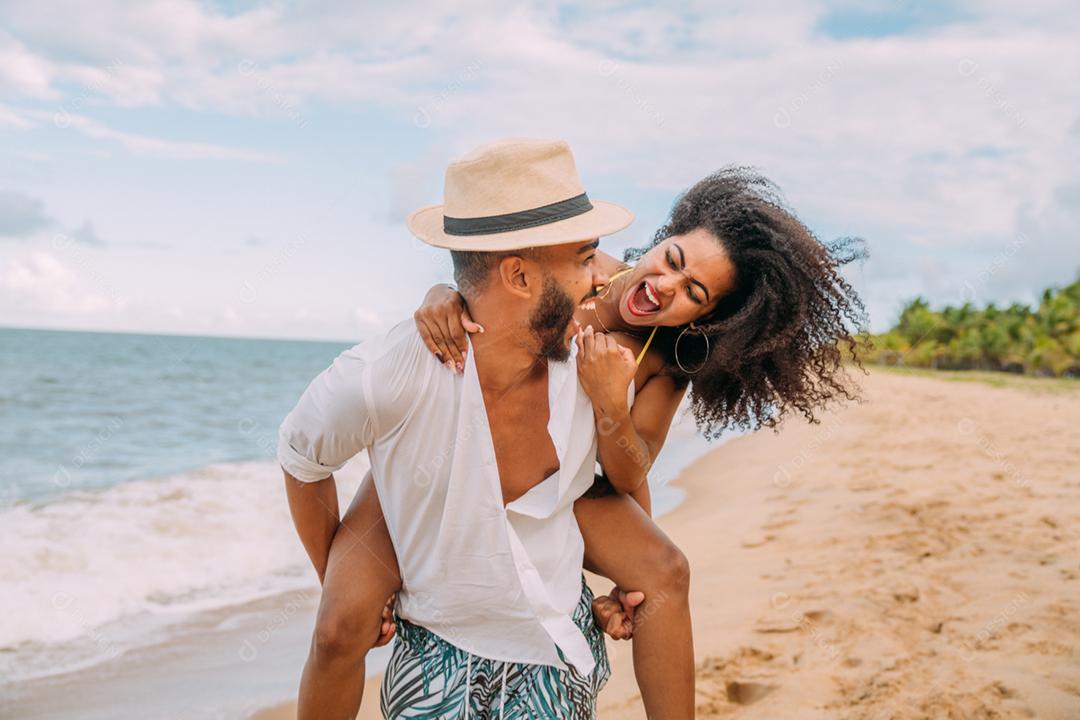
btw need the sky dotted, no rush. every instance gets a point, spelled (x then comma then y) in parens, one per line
(245, 169)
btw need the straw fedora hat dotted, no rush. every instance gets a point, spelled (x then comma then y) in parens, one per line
(512, 194)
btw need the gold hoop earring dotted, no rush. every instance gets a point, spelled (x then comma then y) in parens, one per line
(678, 339)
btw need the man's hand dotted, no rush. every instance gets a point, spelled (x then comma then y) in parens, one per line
(614, 612)
(386, 630)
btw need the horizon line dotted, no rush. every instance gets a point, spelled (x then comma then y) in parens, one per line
(176, 334)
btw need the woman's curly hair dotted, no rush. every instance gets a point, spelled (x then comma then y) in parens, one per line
(775, 341)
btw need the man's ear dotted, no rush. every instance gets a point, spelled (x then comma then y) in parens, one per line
(514, 274)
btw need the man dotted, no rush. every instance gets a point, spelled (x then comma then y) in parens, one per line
(476, 473)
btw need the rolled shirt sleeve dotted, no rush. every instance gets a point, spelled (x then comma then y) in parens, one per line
(331, 422)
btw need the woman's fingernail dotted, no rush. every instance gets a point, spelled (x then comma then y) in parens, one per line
(480, 328)
(449, 364)
(460, 368)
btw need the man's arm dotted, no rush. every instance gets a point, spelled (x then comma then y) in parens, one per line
(331, 422)
(314, 509)
(368, 387)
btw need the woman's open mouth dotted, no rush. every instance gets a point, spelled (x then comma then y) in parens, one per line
(643, 300)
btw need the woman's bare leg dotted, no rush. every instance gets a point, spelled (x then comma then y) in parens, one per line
(624, 544)
(361, 574)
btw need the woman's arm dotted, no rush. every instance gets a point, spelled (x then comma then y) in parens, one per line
(654, 410)
(442, 321)
(628, 441)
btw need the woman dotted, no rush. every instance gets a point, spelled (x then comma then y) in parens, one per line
(736, 301)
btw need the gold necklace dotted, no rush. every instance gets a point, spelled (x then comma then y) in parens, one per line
(597, 314)
(603, 293)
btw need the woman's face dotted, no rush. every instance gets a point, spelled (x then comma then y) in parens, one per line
(678, 281)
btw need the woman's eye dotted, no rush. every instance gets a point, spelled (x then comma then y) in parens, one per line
(690, 294)
(671, 261)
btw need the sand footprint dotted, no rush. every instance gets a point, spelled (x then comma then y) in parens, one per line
(742, 678)
(747, 692)
(757, 540)
(777, 524)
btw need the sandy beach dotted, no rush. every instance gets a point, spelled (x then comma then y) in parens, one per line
(913, 556)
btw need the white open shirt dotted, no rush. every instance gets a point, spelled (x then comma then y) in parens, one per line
(497, 582)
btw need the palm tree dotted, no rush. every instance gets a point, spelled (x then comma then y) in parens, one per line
(1044, 341)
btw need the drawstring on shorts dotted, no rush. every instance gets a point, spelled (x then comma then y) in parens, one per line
(502, 695)
(468, 678)
(468, 684)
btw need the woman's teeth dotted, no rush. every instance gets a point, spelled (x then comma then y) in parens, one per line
(649, 292)
(644, 301)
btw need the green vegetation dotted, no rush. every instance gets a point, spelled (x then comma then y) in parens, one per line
(1043, 342)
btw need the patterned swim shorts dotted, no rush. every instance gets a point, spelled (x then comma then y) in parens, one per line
(430, 679)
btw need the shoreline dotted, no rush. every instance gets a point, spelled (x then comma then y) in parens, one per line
(912, 556)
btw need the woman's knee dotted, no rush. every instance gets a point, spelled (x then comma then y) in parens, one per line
(347, 630)
(669, 569)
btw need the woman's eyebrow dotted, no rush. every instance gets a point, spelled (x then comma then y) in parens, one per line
(703, 288)
(682, 259)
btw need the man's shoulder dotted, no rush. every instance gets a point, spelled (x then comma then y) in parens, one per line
(391, 346)
(385, 373)
(376, 362)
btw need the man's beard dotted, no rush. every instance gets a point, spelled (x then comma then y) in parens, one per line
(550, 319)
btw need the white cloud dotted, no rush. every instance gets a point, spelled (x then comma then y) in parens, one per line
(938, 146)
(135, 143)
(124, 85)
(157, 147)
(13, 119)
(22, 72)
(39, 286)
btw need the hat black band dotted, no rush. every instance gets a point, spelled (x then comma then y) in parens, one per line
(554, 212)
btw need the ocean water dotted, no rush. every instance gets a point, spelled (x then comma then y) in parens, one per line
(138, 485)
(139, 492)
(88, 411)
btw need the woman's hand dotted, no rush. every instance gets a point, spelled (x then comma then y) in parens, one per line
(614, 612)
(605, 369)
(443, 321)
